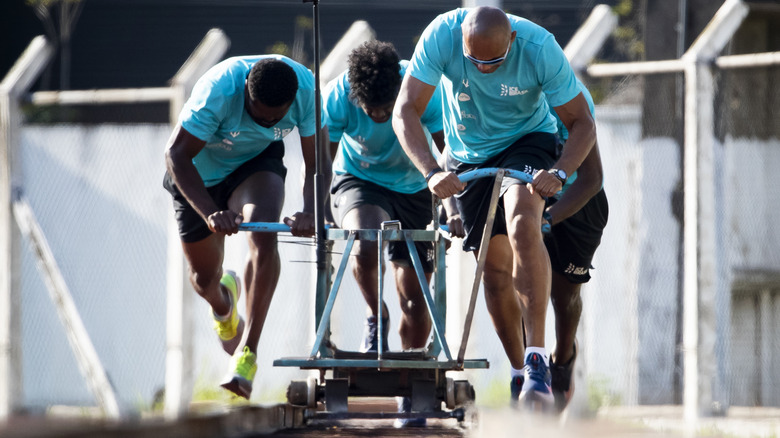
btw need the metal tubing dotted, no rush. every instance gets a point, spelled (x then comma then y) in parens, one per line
(491, 216)
(438, 327)
(324, 319)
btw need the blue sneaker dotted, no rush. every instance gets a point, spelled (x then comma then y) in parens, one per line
(536, 388)
(515, 387)
(405, 405)
(371, 335)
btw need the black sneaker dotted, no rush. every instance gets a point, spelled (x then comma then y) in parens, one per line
(515, 386)
(372, 333)
(562, 383)
(405, 406)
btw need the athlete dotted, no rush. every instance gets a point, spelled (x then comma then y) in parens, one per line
(496, 70)
(374, 181)
(224, 166)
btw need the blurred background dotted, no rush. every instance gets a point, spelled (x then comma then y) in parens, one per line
(92, 174)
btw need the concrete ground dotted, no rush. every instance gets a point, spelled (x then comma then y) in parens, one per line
(255, 421)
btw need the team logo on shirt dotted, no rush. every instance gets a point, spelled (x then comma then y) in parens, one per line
(506, 90)
(465, 115)
(235, 134)
(463, 97)
(281, 133)
(225, 144)
(466, 83)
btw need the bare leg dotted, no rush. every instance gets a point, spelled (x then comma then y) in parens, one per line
(260, 198)
(502, 301)
(366, 263)
(415, 323)
(204, 258)
(531, 271)
(567, 304)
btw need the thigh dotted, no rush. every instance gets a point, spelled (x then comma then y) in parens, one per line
(205, 255)
(349, 193)
(364, 217)
(573, 242)
(259, 197)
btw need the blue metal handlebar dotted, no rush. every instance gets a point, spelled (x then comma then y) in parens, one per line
(273, 227)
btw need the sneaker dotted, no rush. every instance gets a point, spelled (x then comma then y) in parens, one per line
(244, 366)
(536, 385)
(232, 328)
(372, 333)
(562, 383)
(515, 387)
(405, 406)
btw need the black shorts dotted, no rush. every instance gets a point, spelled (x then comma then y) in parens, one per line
(192, 227)
(528, 154)
(572, 243)
(412, 209)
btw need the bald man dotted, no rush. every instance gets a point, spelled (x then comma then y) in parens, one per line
(498, 73)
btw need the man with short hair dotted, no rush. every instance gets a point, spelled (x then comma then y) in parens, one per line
(224, 166)
(497, 70)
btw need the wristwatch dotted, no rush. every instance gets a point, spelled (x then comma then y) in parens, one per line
(560, 174)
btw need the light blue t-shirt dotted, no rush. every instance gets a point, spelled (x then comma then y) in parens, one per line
(215, 113)
(369, 150)
(485, 113)
(564, 133)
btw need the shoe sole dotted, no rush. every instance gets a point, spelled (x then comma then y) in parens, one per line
(238, 386)
(231, 344)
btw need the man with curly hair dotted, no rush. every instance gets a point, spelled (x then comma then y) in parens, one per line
(498, 69)
(224, 166)
(374, 181)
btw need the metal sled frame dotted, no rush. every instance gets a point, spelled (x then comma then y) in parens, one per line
(418, 374)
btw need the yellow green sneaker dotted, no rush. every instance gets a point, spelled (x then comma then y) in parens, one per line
(244, 366)
(230, 328)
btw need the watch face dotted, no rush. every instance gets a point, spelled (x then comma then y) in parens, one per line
(561, 174)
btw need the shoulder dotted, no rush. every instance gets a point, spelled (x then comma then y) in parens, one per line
(338, 86)
(529, 31)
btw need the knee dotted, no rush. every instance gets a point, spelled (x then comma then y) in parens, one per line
(203, 279)
(414, 308)
(262, 246)
(365, 255)
(524, 229)
(564, 299)
(496, 280)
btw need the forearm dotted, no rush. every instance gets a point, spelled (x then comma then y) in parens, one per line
(410, 134)
(589, 181)
(582, 137)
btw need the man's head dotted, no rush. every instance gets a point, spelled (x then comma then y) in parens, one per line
(487, 37)
(270, 90)
(375, 78)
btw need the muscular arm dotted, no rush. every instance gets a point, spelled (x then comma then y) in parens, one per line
(302, 222)
(576, 116)
(409, 107)
(182, 147)
(588, 183)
